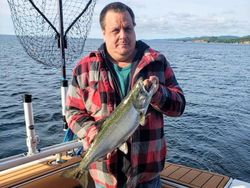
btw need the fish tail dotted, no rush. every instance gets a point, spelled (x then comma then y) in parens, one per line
(82, 176)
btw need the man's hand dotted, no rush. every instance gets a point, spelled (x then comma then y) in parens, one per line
(152, 80)
(92, 132)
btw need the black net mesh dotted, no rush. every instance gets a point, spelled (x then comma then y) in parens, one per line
(40, 39)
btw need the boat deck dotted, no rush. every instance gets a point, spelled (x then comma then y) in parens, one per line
(40, 175)
(44, 174)
(175, 175)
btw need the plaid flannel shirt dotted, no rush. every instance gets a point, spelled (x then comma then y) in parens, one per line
(92, 96)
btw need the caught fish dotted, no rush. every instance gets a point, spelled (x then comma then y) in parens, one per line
(115, 130)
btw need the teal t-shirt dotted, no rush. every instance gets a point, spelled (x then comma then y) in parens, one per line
(123, 77)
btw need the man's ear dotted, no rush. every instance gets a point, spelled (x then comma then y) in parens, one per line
(103, 35)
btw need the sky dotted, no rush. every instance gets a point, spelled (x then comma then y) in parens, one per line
(160, 19)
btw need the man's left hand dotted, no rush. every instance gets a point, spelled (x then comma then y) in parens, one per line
(152, 80)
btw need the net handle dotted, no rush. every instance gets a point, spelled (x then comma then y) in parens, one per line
(62, 41)
(77, 18)
(60, 36)
(44, 17)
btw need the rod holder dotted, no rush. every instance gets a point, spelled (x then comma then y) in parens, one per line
(64, 88)
(32, 139)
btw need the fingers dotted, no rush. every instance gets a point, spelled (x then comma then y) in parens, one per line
(147, 84)
(154, 79)
(151, 80)
(91, 134)
(109, 154)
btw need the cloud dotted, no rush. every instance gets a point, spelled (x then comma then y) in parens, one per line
(5, 10)
(95, 28)
(185, 24)
(167, 19)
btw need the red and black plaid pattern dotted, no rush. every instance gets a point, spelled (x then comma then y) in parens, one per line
(91, 97)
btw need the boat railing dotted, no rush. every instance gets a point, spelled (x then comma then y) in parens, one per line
(17, 160)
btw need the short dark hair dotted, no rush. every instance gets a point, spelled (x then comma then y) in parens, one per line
(116, 7)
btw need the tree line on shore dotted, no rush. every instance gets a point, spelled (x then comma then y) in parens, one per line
(219, 39)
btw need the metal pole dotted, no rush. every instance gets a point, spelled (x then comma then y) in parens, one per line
(64, 84)
(62, 38)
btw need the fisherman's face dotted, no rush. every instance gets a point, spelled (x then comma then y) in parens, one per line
(119, 36)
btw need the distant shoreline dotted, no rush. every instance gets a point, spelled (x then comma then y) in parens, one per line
(218, 39)
(204, 39)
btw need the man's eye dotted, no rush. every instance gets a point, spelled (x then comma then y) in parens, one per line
(115, 31)
(128, 29)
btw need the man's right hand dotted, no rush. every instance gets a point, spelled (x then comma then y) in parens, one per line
(91, 134)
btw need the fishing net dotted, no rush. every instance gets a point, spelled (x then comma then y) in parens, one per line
(37, 25)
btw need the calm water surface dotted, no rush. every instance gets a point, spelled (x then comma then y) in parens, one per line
(213, 133)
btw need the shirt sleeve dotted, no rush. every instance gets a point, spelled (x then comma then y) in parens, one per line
(169, 99)
(77, 117)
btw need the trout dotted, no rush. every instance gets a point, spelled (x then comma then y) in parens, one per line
(114, 131)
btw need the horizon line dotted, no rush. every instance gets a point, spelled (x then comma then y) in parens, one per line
(160, 38)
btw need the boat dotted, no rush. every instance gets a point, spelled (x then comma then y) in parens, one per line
(44, 169)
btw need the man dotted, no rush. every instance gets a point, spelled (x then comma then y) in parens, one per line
(102, 79)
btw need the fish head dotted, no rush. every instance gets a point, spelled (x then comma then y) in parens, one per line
(142, 96)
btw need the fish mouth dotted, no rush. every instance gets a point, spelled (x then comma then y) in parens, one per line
(144, 97)
(148, 91)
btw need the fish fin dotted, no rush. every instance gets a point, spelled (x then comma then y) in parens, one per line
(83, 177)
(124, 148)
(142, 119)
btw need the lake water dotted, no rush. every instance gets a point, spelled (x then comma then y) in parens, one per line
(213, 133)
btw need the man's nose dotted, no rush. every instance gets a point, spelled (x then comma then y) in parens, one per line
(122, 33)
